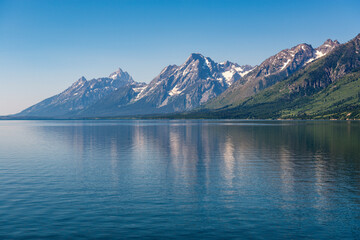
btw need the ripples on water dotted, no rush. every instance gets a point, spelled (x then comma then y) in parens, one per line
(198, 179)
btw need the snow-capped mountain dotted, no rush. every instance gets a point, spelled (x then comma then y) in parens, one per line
(194, 82)
(198, 81)
(272, 70)
(79, 96)
(176, 88)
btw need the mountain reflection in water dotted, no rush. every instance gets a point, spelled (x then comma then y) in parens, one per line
(213, 179)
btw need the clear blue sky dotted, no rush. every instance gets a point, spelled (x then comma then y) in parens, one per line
(46, 45)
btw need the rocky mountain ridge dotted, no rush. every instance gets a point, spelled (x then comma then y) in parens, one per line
(78, 96)
(328, 88)
(274, 69)
(175, 89)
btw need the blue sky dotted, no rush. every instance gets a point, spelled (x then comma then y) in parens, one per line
(45, 45)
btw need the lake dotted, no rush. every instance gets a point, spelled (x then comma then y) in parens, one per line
(180, 179)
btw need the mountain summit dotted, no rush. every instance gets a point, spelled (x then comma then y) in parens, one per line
(120, 74)
(78, 96)
(175, 89)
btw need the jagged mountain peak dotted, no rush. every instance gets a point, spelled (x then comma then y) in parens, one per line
(119, 73)
(194, 82)
(302, 46)
(225, 63)
(324, 49)
(287, 58)
(296, 57)
(199, 65)
(79, 82)
(195, 56)
(199, 59)
(290, 53)
(82, 79)
(211, 63)
(331, 42)
(204, 68)
(328, 45)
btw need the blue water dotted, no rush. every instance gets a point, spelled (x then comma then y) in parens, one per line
(179, 179)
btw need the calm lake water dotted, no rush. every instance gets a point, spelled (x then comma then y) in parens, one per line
(179, 179)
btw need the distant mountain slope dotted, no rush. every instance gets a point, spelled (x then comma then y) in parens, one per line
(327, 88)
(115, 100)
(78, 96)
(271, 71)
(175, 89)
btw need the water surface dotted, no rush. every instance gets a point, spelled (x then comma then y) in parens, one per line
(179, 179)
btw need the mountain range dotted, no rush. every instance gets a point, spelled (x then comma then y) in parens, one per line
(300, 82)
(175, 89)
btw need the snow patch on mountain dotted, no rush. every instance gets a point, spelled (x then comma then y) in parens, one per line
(319, 54)
(285, 64)
(242, 74)
(175, 91)
(228, 75)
